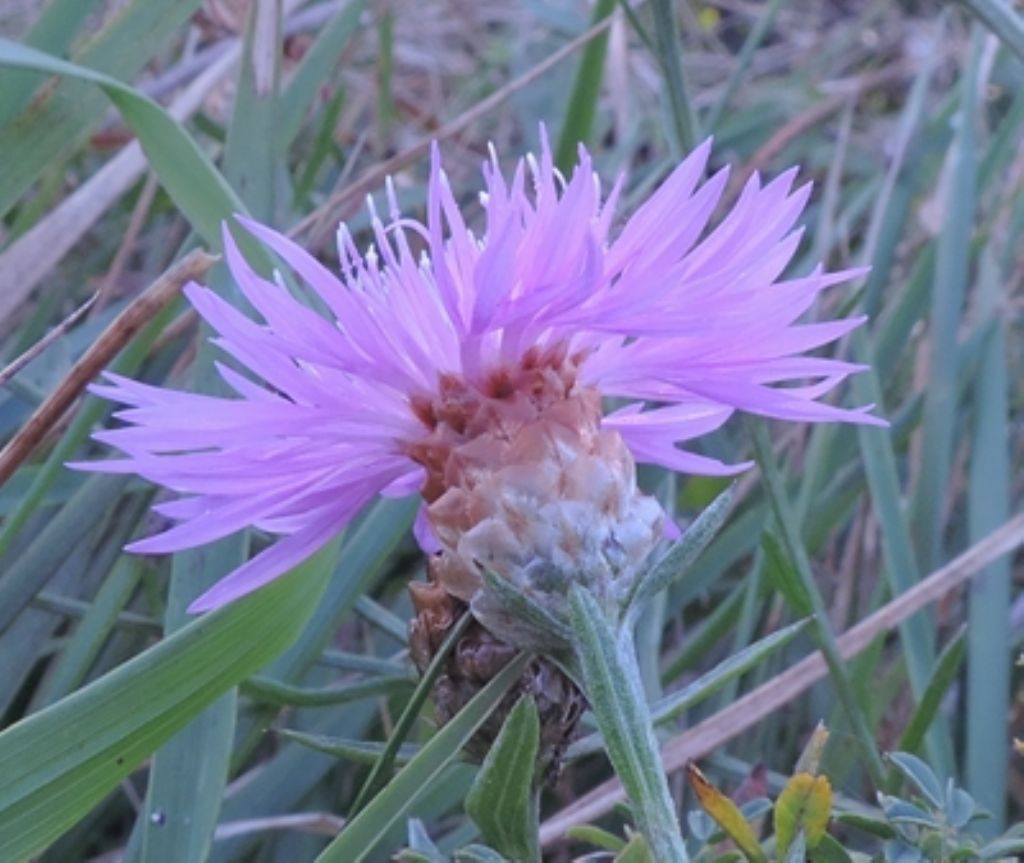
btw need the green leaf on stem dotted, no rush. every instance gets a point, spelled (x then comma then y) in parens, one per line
(503, 802)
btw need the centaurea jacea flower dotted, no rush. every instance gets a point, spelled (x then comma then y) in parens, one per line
(472, 369)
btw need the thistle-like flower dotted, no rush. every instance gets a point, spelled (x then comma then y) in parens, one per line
(472, 369)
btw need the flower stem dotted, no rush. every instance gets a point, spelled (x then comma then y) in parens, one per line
(611, 678)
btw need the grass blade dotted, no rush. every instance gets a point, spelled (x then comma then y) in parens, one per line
(185, 171)
(578, 124)
(988, 624)
(37, 136)
(948, 290)
(58, 764)
(362, 834)
(794, 549)
(686, 131)
(999, 17)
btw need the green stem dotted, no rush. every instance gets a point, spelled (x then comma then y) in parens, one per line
(611, 678)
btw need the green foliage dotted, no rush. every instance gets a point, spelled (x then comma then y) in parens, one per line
(254, 733)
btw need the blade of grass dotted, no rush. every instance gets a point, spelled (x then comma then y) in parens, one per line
(381, 771)
(52, 32)
(720, 620)
(92, 631)
(948, 289)
(56, 765)
(947, 665)
(988, 654)
(671, 705)
(358, 751)
(365, 550)
(1000, 17)
(283, 695)
(685, 129)
(581, 109)
(61, 119)
(183, 169)
(55, 543)
(315, 68)
(364, 832)
(755, 37)
(189, 773)
(797, 554)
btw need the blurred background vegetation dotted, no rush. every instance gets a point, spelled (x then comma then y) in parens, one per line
(907, 116)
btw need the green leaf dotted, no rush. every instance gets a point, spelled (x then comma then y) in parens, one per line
(726, 814)
(478, 854)
(796, 852)
(828, 850)
(902, 812)
(868, 823)
(920, 775)
(1003, 847)
(637, 851)
(363, 833)
(356, 751)
(381, 771)
(783, 576)
(60, 117)
(803, 808)
(315, 68)
(185, 171)
(678, 559)
(270, 691)
(946, 667)
(578, 124)
(685, 129)
(959, 807)
(502, 801)
(590, 834)
(59, 763)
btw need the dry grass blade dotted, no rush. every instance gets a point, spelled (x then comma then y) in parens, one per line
(323, 823)
(322, 221)
(749, 709)
(19, 362)
(102, 351)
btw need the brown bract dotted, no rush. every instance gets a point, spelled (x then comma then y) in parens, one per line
(522, 480)
(476, 658)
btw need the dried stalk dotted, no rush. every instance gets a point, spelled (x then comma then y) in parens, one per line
(23, 359)
(120, 331)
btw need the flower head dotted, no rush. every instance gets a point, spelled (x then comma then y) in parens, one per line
(471, 368)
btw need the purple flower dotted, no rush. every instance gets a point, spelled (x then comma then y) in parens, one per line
(688, 323)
